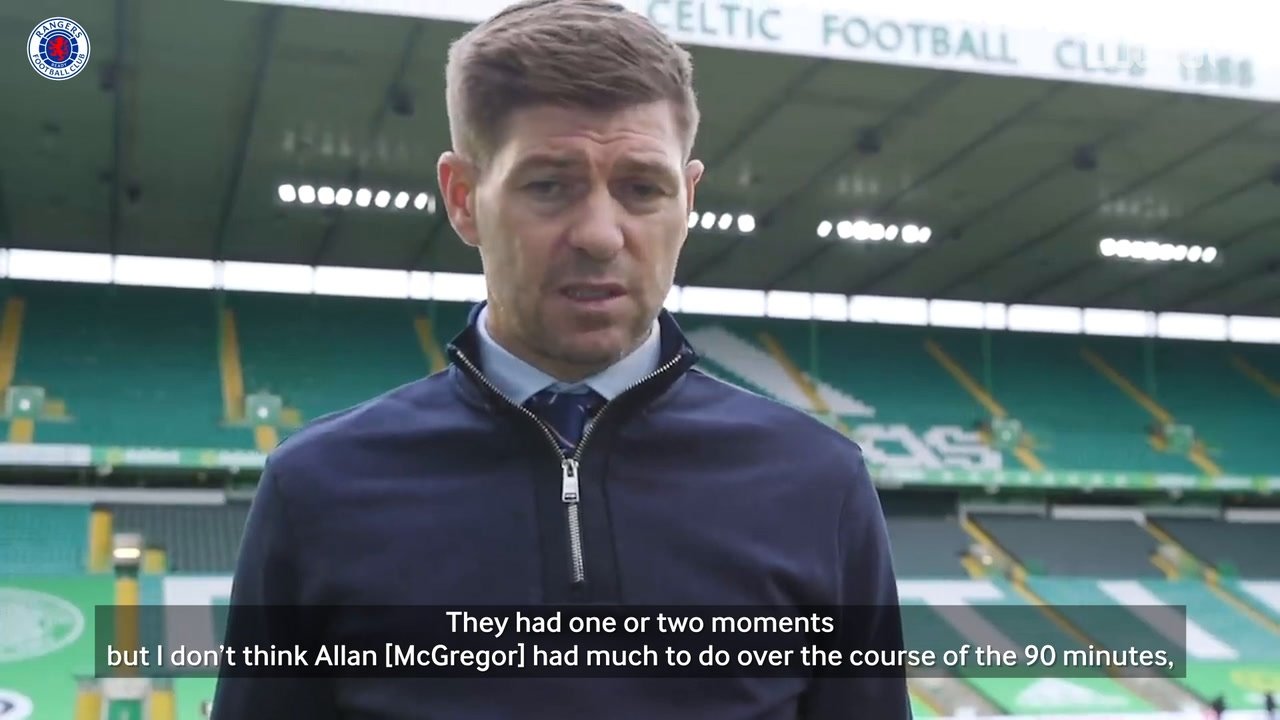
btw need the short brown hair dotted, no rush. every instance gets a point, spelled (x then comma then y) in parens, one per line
(592, 54)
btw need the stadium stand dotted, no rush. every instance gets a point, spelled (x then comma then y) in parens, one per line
(925, 535)
(120, 359)
(114, 360)
(1249, 550)
(1069, 430)
(44, 540)
(1092, 581)
(303, 348)
(875, 365)
(196, 539)
(1097, 548)
(1195, 381)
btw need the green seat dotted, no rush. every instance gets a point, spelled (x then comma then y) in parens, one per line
(135, 366)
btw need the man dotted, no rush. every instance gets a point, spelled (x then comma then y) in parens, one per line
(570, 453)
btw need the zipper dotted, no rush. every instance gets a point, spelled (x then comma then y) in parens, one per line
(569, 493)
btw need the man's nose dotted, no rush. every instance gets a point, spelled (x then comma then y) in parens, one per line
(598, 227)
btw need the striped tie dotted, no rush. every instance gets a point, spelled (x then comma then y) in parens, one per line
(566, 414)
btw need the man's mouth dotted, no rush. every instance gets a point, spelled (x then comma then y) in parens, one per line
(593, 292)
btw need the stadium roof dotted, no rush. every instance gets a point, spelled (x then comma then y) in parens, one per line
(175, 140)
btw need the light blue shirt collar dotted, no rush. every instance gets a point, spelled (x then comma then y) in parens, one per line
(519, 380)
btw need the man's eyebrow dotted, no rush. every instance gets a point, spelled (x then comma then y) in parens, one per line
(539, 161)
(647, 166)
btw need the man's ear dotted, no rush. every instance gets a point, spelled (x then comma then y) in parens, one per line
(692, 174)
(458, 178)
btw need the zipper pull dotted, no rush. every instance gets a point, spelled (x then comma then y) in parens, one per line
(569, 487)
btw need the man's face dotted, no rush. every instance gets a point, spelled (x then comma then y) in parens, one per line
(579, 219)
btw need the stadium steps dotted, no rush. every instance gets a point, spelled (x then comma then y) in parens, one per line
(1233, 540)
(1198, 380)
(874, 374)
(436, 360)
(196, 538)
(43, 539)
(1159, 692)
(265, 438)
(21, 430)
(230, 368)
(1158, 413)
(731, 359)
(747, 362)
(10, 339)
(983, 397)
(783, 340)
(1253, 373)
(1086, 428)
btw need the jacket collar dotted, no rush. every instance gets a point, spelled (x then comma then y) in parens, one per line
(519, 380)
(677, 356)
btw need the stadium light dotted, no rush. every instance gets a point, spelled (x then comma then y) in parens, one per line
(863, 230)
(742, 223)
(126, 549)
(327, 195)
(1154, 251)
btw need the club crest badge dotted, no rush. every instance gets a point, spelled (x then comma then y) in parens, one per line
(58, 48)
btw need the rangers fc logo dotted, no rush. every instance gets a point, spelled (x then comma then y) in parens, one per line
(58, 48)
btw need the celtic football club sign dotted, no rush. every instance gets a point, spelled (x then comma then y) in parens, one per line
(35, 623)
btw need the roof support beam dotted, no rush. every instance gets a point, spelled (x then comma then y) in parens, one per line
(885, 277)
(421, 257)
(120, 72)
(766, 112)
(987, 265)
(269, 29)
(925, 95)
(993, 132)
(374, 130)
(1041, 289)
(1260, 230)
(928, 94)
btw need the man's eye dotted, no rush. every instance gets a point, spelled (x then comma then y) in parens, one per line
(645, 191)
(545, 188)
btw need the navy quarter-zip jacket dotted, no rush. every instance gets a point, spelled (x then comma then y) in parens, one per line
(689, 491)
